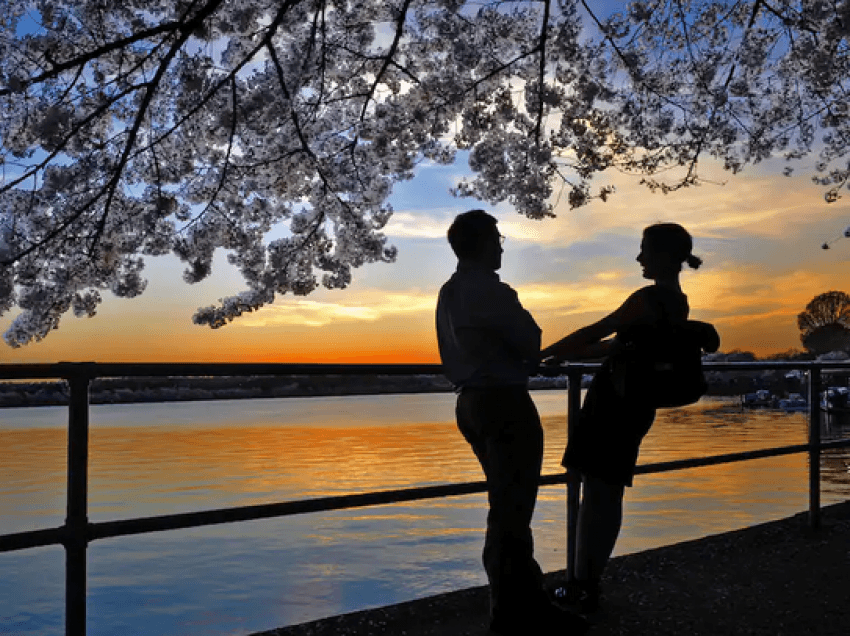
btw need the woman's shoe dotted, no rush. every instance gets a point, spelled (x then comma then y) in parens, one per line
(583, 596)
(588, 603)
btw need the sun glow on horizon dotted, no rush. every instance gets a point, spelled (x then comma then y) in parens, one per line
(759, 236)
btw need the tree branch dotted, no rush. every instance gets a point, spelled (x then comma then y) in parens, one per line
(265, 42)
(153, 85)
(82, 60)
(223, 176)
(756, 6)
(393, 48)
(79, 125)
(542, 77)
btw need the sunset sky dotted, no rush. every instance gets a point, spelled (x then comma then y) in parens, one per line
(759, 234)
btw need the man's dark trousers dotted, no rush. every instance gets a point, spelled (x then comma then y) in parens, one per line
(503, 428)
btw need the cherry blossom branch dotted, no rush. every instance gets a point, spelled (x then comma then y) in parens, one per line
(328, 110)
(305, 145)
(629, 65)
(82, 60)
(79, 126)
(753, 15)
(153, 85)
(191, 112)
(541, 82)
(110, 188)
(399, 30)
(211, 203)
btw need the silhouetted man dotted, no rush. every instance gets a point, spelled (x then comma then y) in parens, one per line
(488, 343)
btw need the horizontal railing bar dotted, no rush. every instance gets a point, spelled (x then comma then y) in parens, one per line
(190, 369)
(181, 521)
(230, 369)
(195, 369)
(755, 365)
(32, 539)
(344, 502)
(762, 365)
(728, 458)
(124, 527)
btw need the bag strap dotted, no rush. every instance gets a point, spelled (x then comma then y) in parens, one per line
(658, 296)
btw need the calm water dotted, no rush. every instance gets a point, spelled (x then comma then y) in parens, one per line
(151, 459)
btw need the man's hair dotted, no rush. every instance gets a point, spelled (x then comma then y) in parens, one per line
(469, 231)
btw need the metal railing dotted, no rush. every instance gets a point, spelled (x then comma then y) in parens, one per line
(77, 531)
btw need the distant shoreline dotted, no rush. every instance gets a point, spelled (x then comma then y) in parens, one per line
(15, 394)
(142, 390)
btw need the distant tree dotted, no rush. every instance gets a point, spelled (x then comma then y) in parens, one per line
(790, 354)
(739, 355)
(825, 324)
(827, 338)
(275, 129)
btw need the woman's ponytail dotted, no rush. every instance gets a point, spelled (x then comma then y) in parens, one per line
(693, 261)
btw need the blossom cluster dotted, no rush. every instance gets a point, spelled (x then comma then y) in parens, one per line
(144, 127)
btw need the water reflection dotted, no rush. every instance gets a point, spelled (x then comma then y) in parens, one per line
(264, 574)
(835, 463)
(182, 465)
(32, 479)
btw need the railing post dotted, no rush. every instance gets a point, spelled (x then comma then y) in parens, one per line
(76, 522)
(814, 446)
(573, 406)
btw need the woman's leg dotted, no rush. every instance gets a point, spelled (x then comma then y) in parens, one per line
(599, 519)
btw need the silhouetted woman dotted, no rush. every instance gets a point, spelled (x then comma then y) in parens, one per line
(603, 446)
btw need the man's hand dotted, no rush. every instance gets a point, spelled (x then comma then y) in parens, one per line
(573, 476)
(549, 366)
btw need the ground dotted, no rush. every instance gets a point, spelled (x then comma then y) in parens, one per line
(775, 579)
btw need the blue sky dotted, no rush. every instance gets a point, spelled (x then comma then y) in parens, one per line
(759, 234)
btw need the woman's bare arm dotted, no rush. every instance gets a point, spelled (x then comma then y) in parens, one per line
(589, 342)
(582, 344)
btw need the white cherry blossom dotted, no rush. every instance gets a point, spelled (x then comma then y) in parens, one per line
(144, 127)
